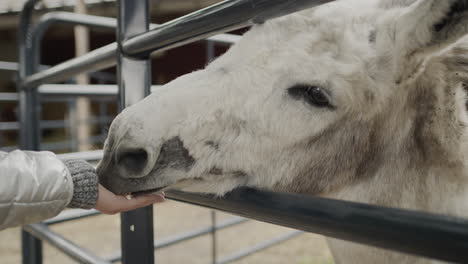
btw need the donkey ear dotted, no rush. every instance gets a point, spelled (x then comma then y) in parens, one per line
(430, 22)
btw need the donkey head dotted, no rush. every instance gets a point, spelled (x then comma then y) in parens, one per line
(308, 103)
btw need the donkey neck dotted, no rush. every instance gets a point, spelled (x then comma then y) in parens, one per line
(437, 189)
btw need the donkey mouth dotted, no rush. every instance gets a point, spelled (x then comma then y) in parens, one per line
(149, 191)
(173, 158)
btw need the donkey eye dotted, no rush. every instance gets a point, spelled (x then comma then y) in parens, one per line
(313, 95)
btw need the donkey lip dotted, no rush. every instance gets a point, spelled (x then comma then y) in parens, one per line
(149, 191)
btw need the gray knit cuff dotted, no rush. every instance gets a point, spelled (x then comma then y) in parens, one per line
(85, 184)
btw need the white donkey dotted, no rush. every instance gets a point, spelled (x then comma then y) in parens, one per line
(360, 100)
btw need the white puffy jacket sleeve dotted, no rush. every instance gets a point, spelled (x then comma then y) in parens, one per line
(33, 186)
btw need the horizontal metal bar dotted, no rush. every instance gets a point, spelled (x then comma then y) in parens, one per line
(158, 244)
(72, 250)
(100, 76)
(14, 66)
(259, 247)
(44, 23)
(82, 90)
(8, 66)
(198, 232)
(44, 146)
(53, 146)
(423, 234)
(77, 89)
(92, 155)
(95, 60)
(12, 8)
(51, 124)
(6, 126)
(46, 124)
(73, 19)
(69, 215)
(71, 90)
(4, 97)
(222, 17)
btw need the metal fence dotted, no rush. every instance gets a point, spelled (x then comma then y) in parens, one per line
(101, 94)
(102, 119)
(428, 235)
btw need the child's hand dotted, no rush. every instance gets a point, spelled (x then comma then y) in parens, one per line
(109, 203)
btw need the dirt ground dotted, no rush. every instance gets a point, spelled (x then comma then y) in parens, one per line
(101, 235)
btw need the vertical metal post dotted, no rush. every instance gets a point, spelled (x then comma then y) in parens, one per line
(31, 249)
(214, 248)
(210, 55)
(29, 115)
(134, 73)
(134, 78)
(29, 103)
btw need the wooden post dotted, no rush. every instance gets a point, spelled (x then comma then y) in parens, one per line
(83, 104)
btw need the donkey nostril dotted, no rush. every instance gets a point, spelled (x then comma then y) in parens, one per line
(133, 160)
